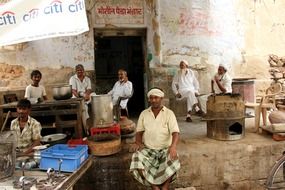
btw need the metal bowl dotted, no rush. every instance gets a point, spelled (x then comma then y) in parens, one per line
(62, 92)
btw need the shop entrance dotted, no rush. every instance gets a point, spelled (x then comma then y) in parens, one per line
(121, 49)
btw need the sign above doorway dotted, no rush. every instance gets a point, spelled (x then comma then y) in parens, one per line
(119, 12)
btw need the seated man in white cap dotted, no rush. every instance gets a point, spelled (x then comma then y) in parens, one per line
(222, 82)
(185, 85)
(155, 162)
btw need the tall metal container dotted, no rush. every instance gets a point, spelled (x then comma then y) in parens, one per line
(102, 108)
(8, 144)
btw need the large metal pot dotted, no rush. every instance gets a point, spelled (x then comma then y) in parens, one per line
(54, 139)
(102, 108)
(62, 92)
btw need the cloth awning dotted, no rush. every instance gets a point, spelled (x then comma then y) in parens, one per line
(22, 20)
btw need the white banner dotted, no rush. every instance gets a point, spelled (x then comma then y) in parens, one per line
(27, 20)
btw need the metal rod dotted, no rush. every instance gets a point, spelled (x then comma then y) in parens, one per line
(6, 119)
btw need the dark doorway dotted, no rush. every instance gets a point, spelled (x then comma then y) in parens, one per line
(113, 53)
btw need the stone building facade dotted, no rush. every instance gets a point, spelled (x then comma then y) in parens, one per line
(149, 37)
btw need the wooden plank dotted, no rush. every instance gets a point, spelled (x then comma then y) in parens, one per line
(46, 113)
(66, 124)
(271, 130)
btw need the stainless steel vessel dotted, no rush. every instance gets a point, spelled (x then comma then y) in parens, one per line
(8, 144)
(62, 92)
(102, 108)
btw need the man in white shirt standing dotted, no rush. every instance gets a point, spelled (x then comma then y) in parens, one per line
(35, 92)
(123, 90)
(81, 88)
(185, 85)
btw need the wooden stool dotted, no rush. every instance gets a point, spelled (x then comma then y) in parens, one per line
(256, 107)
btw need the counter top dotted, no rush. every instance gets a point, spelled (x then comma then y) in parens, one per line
(65, 184)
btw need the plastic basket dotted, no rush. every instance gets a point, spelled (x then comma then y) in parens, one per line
(72, 157)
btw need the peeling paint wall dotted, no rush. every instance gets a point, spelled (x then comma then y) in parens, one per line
(263, 27)
(239, 33)
(55, 58)
(206, 33)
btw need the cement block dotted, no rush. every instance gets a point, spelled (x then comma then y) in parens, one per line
(178, 107)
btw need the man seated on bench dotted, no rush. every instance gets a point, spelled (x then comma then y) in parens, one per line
(122, 92)
(28, 129)
(185, 86)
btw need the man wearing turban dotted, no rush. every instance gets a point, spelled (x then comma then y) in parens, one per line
(155, 162)
(222, 82)
(185, 85)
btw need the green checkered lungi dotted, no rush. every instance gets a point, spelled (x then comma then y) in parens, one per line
(155, 165)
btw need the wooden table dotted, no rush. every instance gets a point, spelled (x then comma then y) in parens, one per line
(66, 184)
(57, 114)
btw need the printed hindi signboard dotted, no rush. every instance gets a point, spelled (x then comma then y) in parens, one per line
(22, 20)
(119, 12)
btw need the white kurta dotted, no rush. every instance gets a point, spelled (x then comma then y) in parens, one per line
(226, 82)
(124, 89)
(187, 85)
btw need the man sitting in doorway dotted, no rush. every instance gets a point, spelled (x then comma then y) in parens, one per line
(28, 129)
(185, 85)
(122, 90)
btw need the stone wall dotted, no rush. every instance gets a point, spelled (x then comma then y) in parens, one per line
(205, 164)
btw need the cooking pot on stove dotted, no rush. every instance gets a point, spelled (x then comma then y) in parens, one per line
(53, 139)
(62, 92)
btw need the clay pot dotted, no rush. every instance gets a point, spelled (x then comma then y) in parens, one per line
(277, 117)
(127, 125)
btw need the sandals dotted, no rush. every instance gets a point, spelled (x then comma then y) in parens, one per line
(188, 119)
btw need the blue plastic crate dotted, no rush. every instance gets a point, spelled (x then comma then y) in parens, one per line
(72, 157)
